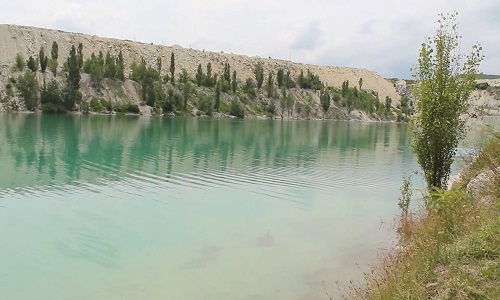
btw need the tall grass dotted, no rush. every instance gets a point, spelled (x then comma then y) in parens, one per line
(450, 248)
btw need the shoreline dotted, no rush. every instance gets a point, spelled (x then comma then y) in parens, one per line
(220, 116)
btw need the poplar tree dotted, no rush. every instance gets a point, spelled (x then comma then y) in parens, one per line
(54, 52)
(217, 95)
(259, 74)
(199, 75)
(120, 67)
(44, 60)
(209, 81)
(227, 72)
(158, 65)
(73, 75)
(444, 81)
(172, 67)
(80, 55)
(31, 63)
(186, 93)
(270, 85)
(234, 83)
(109, 66)
(325, 101)
(280, 77)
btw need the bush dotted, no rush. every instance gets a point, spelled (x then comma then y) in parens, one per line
(107, 105)
(53, 108)
(206, 105)
(249, 87)
(32, 64)
(50, 93)
(20, 63)
(336, 97)
(4, 100)
(71, 97)
(133, 108)
(244, 99)
(271, 108)
(85, 108)
(53, 66)
(309, 81)
(127, 108)
(224, 108)
(95, 105)
(482, 86)
(237, 109)
(27, 85)
(9, 87)
(225, 86)
(173, 100)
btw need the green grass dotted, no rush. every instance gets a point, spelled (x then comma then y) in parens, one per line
(447, 251)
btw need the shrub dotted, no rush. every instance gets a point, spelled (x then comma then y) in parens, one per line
(225, 86)
(85, 107)
(271, 108)
(32, 64)
(173, 100)
(133, 108)
(309, 81)
(51, 93)
(27, 85)
(53, 66)
(71, 97)
(482, 86)
(336, 97)
(107, 105)
(249, 87)
(206, 105)
(95, 105)
(127, 108)
(244, 99)
(53, 108)
(224, 107)
(237, 109)
(20, 63)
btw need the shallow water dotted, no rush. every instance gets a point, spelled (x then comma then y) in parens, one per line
(109, 207)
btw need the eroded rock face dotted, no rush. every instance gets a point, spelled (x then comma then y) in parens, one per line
(28, 40)
(403, 89)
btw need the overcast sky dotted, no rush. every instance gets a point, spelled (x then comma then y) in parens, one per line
(383, 35)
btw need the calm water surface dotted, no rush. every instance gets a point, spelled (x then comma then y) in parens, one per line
(103, 207)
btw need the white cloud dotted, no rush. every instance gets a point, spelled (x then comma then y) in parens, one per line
(309, 38)
(383, 36)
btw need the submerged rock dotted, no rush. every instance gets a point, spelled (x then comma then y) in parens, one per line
(266, 240)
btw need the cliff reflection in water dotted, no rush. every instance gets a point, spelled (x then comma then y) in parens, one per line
(40, 150)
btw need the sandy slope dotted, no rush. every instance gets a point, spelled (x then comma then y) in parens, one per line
(28, 40)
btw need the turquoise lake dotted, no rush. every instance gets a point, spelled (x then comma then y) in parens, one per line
(126, 207)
